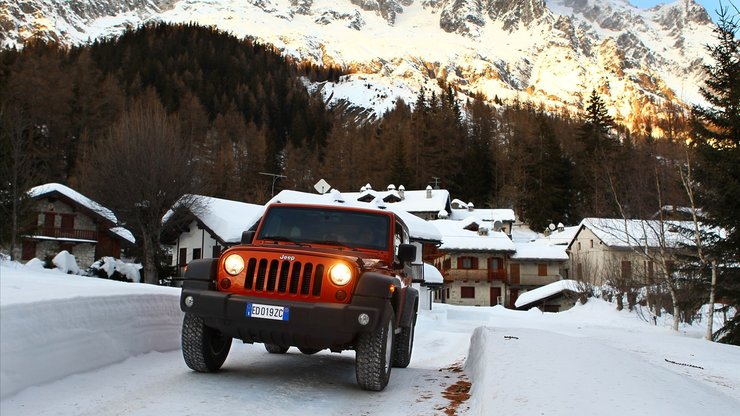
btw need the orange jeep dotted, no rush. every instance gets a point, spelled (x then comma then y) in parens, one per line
(312, 277)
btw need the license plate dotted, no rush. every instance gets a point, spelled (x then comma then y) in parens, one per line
(278, 313)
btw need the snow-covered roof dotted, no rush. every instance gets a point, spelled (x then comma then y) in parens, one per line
(485, 214)
(558, 237)
(418, 228)
(432, 275)
(411, 201)
(226, 218)
(546, 291)
(70, 193)
(534, 251)
(639, 233)
(455, 236)
(41, 190)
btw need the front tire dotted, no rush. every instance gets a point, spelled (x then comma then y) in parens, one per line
(374, 353)
(204, 348)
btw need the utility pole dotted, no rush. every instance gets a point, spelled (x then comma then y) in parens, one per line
(275, 177)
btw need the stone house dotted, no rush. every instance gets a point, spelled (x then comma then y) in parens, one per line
(67, 220)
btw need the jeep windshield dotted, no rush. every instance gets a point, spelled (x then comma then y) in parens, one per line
(324, 225)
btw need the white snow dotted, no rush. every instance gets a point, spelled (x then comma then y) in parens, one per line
(71, 345)
(66, 262)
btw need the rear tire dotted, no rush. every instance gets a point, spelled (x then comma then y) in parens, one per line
(276, 349)
(204, 348)
(404, 344)
(374, 353)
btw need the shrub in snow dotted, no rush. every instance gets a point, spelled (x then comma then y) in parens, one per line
(66, 262)
(115, 269)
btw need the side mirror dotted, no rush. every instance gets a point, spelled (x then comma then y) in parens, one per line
(247, 237)
(406, 253)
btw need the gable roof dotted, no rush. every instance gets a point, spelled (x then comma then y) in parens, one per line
(621, 233)
(224, 219)
(414, 201)
(88, 204)
(462, 210)
(541, 293)
(457, 236)
(536, 251)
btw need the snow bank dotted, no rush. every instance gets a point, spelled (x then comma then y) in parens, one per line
(54, 325)
(66, 262)
(525, 372)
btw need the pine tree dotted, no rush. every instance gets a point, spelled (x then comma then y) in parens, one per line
(717, 131)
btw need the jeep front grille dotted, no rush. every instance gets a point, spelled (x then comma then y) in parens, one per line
(284, 277)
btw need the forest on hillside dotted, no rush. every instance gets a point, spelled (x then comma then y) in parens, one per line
(239, 109)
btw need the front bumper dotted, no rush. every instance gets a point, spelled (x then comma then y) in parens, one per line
(310, 325)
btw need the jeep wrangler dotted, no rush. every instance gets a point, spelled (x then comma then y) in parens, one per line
(312, 277)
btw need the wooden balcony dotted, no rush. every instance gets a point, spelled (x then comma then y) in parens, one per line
(70, 233)
(480, 275)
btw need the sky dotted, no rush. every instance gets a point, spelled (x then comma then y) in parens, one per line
(75, 345)
(710, 5)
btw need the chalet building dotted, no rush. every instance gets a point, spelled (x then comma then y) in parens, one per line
(473, 260)
(609, 250)
(68, 220)
(206, 231)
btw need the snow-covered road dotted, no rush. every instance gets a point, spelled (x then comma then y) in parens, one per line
(120, 356)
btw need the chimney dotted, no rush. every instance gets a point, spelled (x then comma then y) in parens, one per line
(401, 188)
(471, 206)
(429, 191)
(391, 187)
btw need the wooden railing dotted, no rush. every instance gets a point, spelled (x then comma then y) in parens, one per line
(488, 275)
(68, 233)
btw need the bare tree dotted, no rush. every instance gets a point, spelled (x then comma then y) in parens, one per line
(139, 170)
(17, 172)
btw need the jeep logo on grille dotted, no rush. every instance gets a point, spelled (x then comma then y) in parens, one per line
(285, 257)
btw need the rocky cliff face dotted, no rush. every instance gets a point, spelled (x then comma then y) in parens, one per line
(552, 52)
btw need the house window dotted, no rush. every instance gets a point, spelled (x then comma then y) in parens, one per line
(592, 243)
(196, 253)
(467, 292)
(542, 269)
(216, 251)
(579, 246)
(68, 221)
(183, 257)
(447, 264)
(626, 269)
(467, 263)
(650, 269)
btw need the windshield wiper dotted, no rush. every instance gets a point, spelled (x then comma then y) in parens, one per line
(280, 238)
(334, 243)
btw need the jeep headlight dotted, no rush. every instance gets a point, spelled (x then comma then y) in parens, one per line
(340, 274)
(234, 264)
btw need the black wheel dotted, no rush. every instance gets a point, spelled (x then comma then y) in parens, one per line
(374, 353)
(404, 344)
(204, 348)
(309, 351)
(276, 349)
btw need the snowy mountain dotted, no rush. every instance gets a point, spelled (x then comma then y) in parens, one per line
(552, 52)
